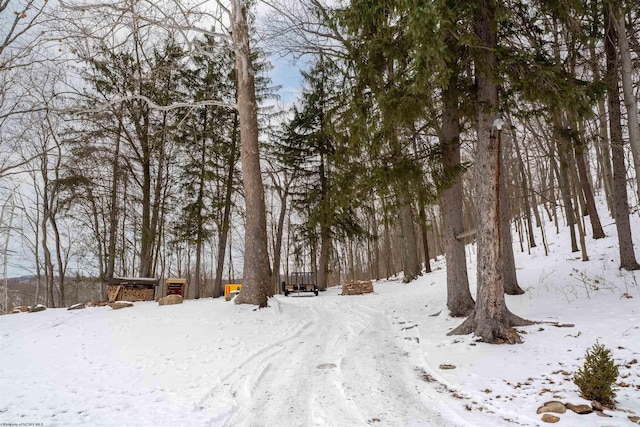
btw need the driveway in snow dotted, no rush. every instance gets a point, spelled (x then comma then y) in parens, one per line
(330, 360)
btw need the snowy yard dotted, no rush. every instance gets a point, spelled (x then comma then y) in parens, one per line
(332, 360)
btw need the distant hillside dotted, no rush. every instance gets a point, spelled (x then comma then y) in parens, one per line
(22, 291)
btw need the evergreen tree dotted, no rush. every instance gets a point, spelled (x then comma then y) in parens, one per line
(210, 152)
(311, 148)
(490, 318)
(390, 96)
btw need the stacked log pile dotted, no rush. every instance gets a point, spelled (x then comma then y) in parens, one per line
(133, 294)
(125, 293)
(357, 287)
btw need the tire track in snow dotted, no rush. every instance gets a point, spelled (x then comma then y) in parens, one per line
(224, 399)
(337, 368)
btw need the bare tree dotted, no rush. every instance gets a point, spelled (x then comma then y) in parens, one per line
(630, 100)
(19, 34)
(257, 272)
(623, 226)
(231, 26)
(6, 217)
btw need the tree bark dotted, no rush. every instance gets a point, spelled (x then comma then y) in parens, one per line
(490, 319)
(409, 244)
(602, 142)
(630, 99)
(623, 226)
(113, 210)
(376, 242)
(425, 243)
(277, 250)
(256, 273)
(510, 280)
(563, 179)
(525, 193)
(146, 242)
(583, 178)
(459, 299)
(323, 262)
(226, 215)
(325, 230)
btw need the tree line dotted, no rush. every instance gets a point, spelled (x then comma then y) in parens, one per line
(139, 137)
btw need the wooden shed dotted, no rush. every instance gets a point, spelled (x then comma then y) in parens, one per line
(132, 289)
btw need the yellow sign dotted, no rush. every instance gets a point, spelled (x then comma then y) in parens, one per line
(231, 287)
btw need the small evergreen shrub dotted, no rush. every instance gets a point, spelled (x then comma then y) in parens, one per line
(597, 376)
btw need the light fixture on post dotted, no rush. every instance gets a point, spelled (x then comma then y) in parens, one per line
(498, 122)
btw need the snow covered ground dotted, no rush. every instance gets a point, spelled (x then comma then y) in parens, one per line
(330, 360)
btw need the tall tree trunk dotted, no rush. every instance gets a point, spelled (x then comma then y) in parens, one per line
(256, 274)
(376, 242)
(580, 219)
(199, 214)
(146, 239)
(425, 243)
(409, 244)
(602, 141)
(525, 193)
(226, 215)
(565, 188)
(510, 279)
(5, 254)
(389, 266)
(323, 262)
(623, 226)
(61, 264)
(277, 250)
(630, 99)
(113, 210)
(459, 299)
(325, 231)
(159, 199)
(490, 318)
(596, 226)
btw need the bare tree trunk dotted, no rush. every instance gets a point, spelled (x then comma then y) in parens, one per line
(389, 266)
(425, 243)
(226, 215)
(113, 212)
(630, 99)
(323, 262)
(146, 234)
(490, 318)
(5, 254)
(580, 221)
(596, 226)
(325, 231)
(48, 263)
(256, 274)
(525, 193)
(459, 299)
(277, 253)
(283, 194)
(409, 244)
(565, 189)
(376, 245)
(623, 226)
(61, 264)
(602, 142)
(510, 279)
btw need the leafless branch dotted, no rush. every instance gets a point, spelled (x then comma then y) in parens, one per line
(159, 107)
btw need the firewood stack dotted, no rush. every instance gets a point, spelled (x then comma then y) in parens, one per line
(357, 287)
